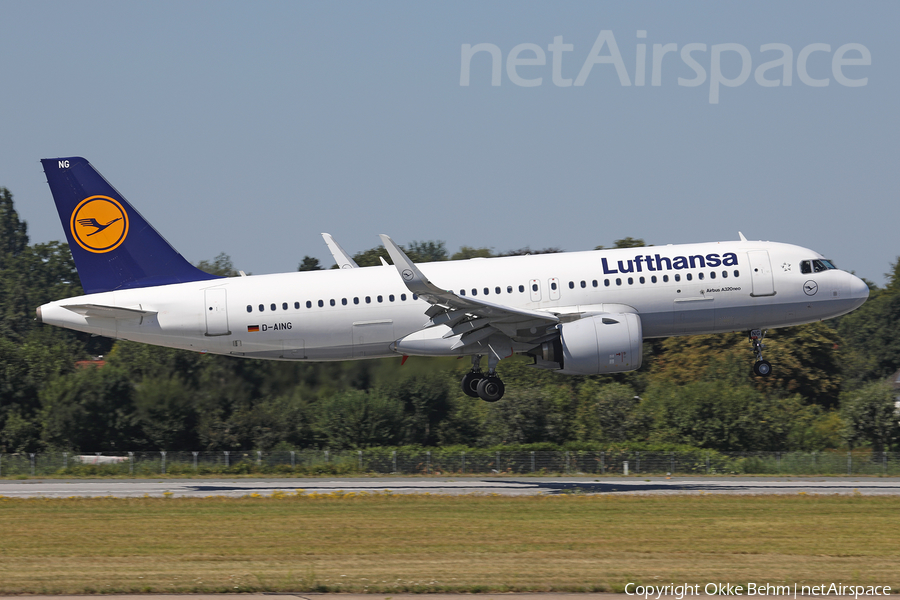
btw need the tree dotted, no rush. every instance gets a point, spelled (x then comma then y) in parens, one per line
(309, 264)
(430, 251)
(13, 231)
(806, 361)
(872, 333)
(467, 252)
(871, 416)
(359, 419)
(91, 409)
(221, 265)
(627, 242)
(722, 416)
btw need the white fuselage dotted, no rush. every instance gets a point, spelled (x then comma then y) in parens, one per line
(360, 313)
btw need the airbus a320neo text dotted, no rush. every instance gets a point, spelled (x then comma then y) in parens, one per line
(581, 313)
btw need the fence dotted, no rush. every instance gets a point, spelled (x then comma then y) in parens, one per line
(449, 462)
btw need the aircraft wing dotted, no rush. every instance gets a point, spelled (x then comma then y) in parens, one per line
(341, 258)
(471, 318)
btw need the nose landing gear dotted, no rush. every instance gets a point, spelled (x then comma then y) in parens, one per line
(761, 367)
(476, 384)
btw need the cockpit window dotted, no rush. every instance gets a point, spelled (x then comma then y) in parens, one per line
(816, 265)
(820, 264)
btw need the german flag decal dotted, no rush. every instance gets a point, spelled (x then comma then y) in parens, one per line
(252, 327)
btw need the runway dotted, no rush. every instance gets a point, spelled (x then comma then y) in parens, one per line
(507, 486)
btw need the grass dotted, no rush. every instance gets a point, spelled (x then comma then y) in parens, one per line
(398, 543)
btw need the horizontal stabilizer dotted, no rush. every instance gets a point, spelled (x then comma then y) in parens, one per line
(108, 312)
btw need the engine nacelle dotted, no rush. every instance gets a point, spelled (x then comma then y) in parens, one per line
(606, 343)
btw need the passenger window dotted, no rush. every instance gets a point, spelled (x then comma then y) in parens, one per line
(391, 297)
(690, 277)
(737, 273)
(272, 306)
(618, 281)
(462, 292)
(249, 308)
(296, 305)
(308, 304)
(631, 281)
(534, 287)
(571, 285)
(262, 307)
(700, 276)
(487, 291)
(805, 267)
(677, 277)
(724, 274)
(553, 285)
(665, 279)
(712, 275)
(343, 301)
(509, 289)
(497, 290)
(415, 296)
(331, 302)
(284, 306)
(321, 303)
(356, 300)
(403, 297)
(522, 289)
(653, 279)
(594, 283)
(368, 299)
(583, 284)
(474, 292)
(606, 282)
(642, 280)
(380, 299)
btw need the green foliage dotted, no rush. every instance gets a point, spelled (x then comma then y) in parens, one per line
(721, 416)
(221, 265)
(90, 409)
(872, 333)
(871, 416)
(309, 264)
(467, 252)
(627, 242)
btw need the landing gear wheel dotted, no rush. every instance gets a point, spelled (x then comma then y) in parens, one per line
(470, 383)
(762, 368)
(491, 388)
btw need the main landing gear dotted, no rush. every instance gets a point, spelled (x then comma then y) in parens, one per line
(761, 367)
(476, 384)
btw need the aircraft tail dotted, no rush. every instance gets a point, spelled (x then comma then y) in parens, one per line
(113, 246)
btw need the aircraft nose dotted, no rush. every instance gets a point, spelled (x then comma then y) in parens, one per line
(858, 289)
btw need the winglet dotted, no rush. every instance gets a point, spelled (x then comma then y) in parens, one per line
(414, 279)
(743, 239)
(341, 258)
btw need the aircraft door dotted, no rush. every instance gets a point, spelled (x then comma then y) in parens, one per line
(535, 288)
(554, 288)
(761, 273)
(216, 312)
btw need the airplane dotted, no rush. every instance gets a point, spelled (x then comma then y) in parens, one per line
(579, 313)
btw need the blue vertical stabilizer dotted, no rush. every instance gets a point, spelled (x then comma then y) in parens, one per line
(113, 246)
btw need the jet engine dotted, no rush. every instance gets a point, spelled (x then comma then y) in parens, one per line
(604, 343)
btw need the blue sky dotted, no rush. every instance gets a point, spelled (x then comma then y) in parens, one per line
(250, 128)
